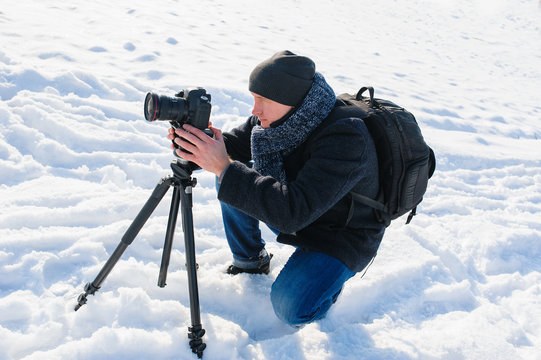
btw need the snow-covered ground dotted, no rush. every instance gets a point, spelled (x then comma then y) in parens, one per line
(78, 161)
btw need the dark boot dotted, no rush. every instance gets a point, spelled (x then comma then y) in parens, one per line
(262, 268)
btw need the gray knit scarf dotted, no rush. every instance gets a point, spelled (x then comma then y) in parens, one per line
(271, 145)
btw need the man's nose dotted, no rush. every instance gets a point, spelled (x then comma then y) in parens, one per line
(256, 110)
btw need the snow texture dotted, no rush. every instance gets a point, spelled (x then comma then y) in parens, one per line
(78, 161)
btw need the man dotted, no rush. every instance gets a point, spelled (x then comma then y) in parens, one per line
(305, 162)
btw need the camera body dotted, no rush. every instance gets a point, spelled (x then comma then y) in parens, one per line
(190, 106)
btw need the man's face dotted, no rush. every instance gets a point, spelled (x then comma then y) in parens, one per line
(268, 111)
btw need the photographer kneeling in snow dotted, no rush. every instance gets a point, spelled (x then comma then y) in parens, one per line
(292, 167)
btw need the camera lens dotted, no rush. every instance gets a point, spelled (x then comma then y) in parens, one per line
(152, 107)
(165, 108)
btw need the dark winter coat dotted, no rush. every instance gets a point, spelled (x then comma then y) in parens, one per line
(312, 210)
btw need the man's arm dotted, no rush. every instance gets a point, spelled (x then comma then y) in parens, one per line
(337, 162)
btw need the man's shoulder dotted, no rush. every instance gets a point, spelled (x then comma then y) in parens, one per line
(338, 123)
(345, 133)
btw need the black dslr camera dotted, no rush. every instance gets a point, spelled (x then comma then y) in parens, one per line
(191, 106)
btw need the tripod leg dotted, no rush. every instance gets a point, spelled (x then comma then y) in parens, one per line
(196, 331)
(127, 239)
(168, 244)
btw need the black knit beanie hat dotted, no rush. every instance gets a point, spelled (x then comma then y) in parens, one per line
(284, 78)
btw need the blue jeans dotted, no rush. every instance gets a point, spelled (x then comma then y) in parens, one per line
(307, 286)
(243, 236)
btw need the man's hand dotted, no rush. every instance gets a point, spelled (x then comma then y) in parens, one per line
(207, 152)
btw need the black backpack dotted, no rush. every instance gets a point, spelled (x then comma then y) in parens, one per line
(405, 161)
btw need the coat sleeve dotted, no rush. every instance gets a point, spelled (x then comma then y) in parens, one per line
(335, 165)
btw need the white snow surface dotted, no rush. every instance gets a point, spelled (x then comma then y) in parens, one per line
(78, 161)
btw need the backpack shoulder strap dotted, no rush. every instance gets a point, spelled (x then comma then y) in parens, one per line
(368, 201)
(348, 106)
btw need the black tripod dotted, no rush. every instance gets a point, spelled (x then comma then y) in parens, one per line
(182, 184)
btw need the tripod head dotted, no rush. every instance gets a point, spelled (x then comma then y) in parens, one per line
(183, 169)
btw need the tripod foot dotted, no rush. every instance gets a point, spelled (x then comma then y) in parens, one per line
(90, 289)
(196, 343)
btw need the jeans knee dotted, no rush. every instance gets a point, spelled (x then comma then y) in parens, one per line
(283, 308)
(293, 310)
(307, 287)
